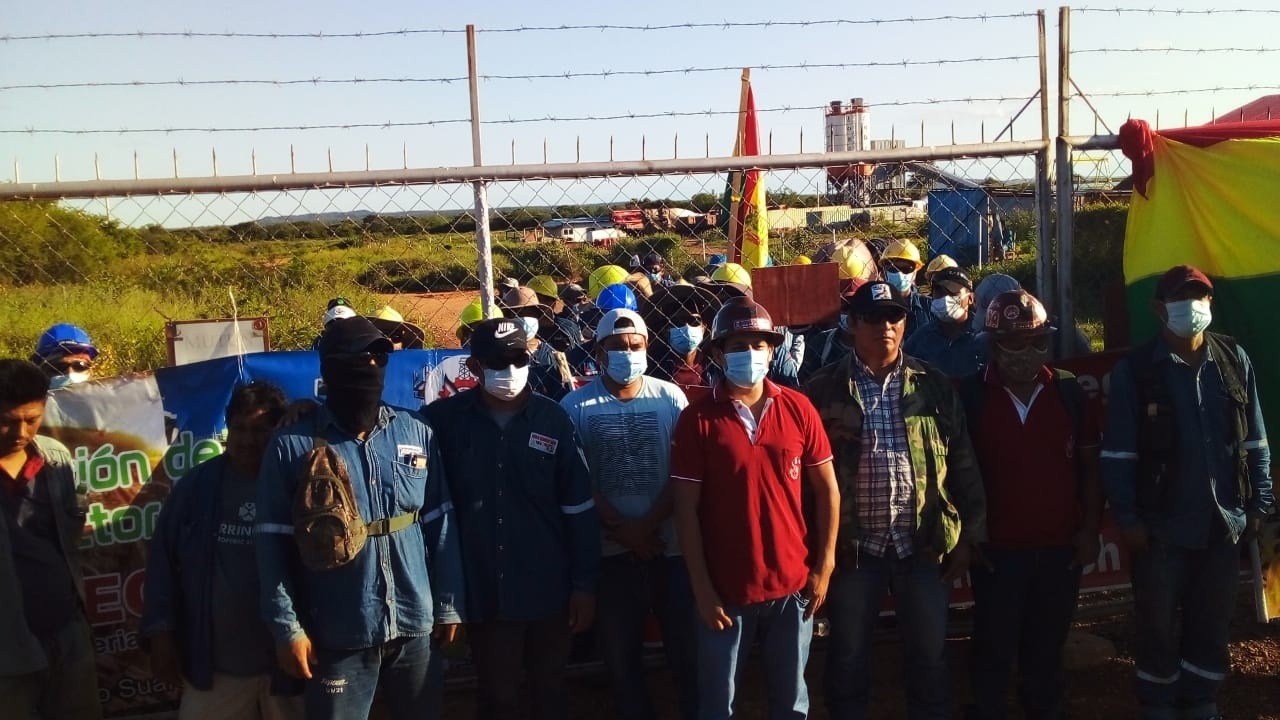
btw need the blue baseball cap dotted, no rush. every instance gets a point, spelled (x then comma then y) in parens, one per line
(65, 339)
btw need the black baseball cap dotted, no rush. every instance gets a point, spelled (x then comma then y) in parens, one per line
(352, 335)
(875, 295)
(497, 340)
(952, 275)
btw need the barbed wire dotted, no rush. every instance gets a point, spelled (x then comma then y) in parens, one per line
(566, 75)
(1175, 50)
(721, 25)
(1174, 11)
(498, 121)
(1184, 91)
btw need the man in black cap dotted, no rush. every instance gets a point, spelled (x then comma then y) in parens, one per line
(655, 268)
(531, 537)
(949, 341)
(371, 622)
(911, 504)
(1187, 468)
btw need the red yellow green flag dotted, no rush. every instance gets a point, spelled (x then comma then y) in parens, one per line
(748, 220)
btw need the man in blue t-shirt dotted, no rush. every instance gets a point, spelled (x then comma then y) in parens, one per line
(625, 420)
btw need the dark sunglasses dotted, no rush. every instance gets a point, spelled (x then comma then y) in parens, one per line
(503, 363)
(361, 358)
(902, 267)
(1040, 344)
(893, 316)
(74, 366)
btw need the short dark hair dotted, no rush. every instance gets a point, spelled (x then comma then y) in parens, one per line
(21, 382)
(257, 396)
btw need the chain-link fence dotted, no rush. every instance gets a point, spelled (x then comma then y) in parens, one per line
(120, 259)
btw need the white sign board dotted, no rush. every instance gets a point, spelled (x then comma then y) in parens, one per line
(192, 341)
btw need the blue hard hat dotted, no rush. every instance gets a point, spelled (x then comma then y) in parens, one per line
(616, 297)
(65, 339)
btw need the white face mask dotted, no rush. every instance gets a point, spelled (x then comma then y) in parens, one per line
(1188, 318)
(71, 378)
(949, 308)
(507, 383)
(530, 325)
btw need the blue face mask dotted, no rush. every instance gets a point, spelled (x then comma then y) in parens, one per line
(530, 325)
(901, 281)
(655, 276)
(625, 366)
(747, 368)
(685, 339)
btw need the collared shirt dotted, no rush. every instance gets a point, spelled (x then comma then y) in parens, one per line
(530, 533)
(400, 584)
(955, 356)
(1204, 486)
(886, 483)
(918, 313)
(1029, 455)
(753, 528)
(47, 588)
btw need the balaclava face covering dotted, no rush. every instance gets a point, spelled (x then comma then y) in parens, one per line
(354, 388)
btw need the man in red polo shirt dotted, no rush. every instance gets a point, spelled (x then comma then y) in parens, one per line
(1037, 447)
(739, 458)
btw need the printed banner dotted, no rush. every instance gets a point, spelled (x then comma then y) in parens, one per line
(132, 437)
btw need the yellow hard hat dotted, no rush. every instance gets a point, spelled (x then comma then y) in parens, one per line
(854, 259)
(543, 285)
(803, 260)
(732, 272)
(903, 250)
(604, 276)
(386, 312)
(939, 262)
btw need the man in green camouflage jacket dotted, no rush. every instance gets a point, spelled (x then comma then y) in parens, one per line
(911, 504)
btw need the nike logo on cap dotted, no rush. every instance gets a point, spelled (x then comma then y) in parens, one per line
(505, 329)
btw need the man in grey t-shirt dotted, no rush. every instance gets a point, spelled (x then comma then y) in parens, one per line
(625, 420)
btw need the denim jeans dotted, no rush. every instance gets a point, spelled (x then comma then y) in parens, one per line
(508, 654)
(627, 590)
(1178, 677)
(1022, 612)
(853, 604)
(784, 636)
(67, 689)
(408, 670)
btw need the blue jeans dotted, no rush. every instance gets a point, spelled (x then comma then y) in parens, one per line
(784, 636)
(408, 670)
(1179, 677)
(627, 590)
(1022, 612)
(853, 605)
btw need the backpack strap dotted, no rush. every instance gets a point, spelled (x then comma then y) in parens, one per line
(381, 526)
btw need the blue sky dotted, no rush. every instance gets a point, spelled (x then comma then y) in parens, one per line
(556, 52)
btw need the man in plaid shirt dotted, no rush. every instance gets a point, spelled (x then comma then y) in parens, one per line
(911, 504)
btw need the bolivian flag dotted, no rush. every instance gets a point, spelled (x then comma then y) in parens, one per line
(1209, 196)
(748, 220)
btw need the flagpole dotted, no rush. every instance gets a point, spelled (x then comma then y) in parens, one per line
(736, 177)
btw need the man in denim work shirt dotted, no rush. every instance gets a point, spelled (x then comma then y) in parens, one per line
(1186, 467)
(948, 341)
(530, 533)
(366, 625)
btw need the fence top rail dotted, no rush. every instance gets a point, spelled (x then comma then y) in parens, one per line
(1093, 142)
(498, 173)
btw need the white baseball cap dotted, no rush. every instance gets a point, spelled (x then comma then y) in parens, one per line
(608, 324)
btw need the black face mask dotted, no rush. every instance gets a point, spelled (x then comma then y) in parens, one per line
(354, 392)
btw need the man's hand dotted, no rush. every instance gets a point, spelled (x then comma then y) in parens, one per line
(711, 612)
(445, 634)
(1136, 538)
(956, 563)
(638, 536)
(816, 590)
(165, 665)
(296, 658)
(582, 611)
(1087, 547)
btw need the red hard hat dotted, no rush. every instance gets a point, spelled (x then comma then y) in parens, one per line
(1015, 313)
(743, 315)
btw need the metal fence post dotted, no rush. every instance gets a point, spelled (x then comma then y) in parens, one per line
(484, 239)
(1065, 182)
(1044, 189)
